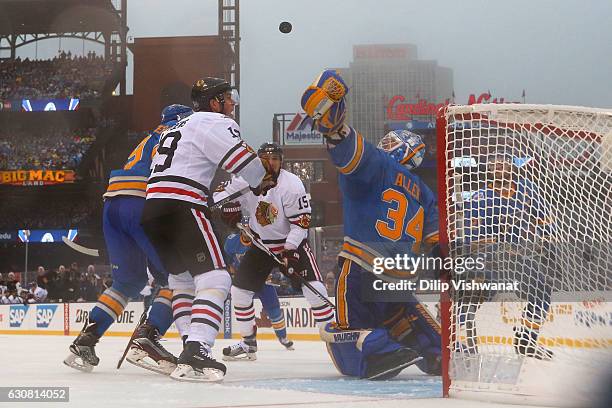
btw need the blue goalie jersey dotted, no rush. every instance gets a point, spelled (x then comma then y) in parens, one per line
(132, 178)
(513, 214)
(388, 211)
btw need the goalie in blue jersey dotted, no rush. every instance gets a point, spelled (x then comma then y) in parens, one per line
(388, 211)
(508, 224)
(130, 252)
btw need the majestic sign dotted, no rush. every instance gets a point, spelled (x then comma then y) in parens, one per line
(300, 132)
(36, 177)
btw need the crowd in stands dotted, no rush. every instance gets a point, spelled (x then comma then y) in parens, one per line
(57, 285)
(49, 213)
(53, 149)
(65, 76)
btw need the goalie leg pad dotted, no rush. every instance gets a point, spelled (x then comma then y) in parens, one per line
(358, 353)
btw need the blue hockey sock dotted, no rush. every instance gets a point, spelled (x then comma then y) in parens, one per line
(109, 306)
(278, 324)
(160, 315)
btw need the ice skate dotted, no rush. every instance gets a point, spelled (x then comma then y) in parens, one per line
(195, 364)
(526, 344)
(82, 351)
(147, 352)
(244, 350)
(388, 365)
(287, 343)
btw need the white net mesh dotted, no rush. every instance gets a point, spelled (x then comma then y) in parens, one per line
(529, 192)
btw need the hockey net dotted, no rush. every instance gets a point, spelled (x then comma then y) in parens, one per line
(546, 229)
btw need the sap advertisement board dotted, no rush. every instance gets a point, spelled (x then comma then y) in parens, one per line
(577, 320)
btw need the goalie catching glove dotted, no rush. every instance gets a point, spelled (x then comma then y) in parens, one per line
(324, 102)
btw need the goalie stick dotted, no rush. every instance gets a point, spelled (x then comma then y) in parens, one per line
(276, 259)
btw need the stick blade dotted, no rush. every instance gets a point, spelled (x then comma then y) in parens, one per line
(80, 248)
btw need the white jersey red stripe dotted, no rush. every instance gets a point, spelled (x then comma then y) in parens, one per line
(190, 153)
(211, 240)
(237, 158)
(313, 261)
(280, 218)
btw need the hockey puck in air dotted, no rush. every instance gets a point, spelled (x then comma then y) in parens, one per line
(285, 27)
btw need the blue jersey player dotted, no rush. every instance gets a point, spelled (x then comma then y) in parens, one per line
(235, 247)
(508, 224)
(130, 251)
(388, 211)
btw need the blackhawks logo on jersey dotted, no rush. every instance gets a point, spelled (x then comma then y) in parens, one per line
(266, 213)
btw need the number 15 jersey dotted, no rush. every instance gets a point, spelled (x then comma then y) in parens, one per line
(190, 152)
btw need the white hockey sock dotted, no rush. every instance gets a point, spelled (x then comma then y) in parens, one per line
(207, 310)
(182, 300)
(321, 311)
(244, 310)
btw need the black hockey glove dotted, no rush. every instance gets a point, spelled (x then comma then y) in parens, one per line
(291, 259)
(231, 214)
(269, 180)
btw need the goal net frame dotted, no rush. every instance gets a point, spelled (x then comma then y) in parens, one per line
(546, 123)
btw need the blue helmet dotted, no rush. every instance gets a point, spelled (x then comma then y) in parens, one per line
(405, 147)
(175, 112)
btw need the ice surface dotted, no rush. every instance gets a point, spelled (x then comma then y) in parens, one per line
(279, 378)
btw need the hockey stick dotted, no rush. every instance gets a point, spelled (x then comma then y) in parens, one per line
(276, 259)
(229, 198)
(143, 317)
(80, 248)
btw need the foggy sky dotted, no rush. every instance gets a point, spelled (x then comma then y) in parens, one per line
(560, 51)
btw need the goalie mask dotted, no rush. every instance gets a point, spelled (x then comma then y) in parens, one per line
(405, 147)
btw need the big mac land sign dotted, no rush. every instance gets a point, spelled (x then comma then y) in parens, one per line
(398, 109)
(36, 177)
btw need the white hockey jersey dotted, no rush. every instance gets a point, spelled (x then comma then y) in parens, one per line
(190, 152)
(281, 218)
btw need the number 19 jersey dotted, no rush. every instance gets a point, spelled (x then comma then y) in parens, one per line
(189, 154)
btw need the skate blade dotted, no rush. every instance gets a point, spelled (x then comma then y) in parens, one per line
(242, 357)
(140, 358)
(72, 361)
(185, 372)
(398, 369)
